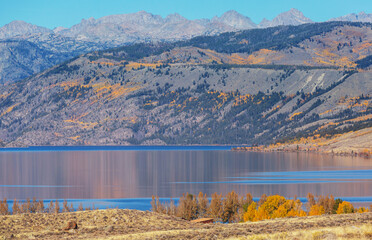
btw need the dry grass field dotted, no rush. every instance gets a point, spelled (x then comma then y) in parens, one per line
(133, 224)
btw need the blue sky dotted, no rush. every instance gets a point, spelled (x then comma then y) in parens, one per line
(53, 13)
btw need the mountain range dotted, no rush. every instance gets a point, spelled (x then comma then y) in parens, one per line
(255, 86)
(353, 17)
(26, 49)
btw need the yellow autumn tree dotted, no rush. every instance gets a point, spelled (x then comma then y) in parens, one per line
(266, 210)
(290, 208)
(316, 210)
(281, 212)
(250, 214)
(345, 207)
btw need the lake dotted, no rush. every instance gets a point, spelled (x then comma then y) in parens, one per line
(127, 177)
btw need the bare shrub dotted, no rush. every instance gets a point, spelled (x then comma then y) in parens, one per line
(57, 208)
(80, 208)
(215, 208)
(4, 208)
(16, 207)
(230, 206)
(310, 201)
(65, 206)
(26, 206)
(156, 205)
(262, 199)
(202, 204)
(188, 207)
(51, 207)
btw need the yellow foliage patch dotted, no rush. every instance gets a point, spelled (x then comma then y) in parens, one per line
(242, 99)
(327, 57)
(294, 115)
(110, 92)
(345, 207)
(136, 65)
(9, 109)
(316, 210)
(75, 138)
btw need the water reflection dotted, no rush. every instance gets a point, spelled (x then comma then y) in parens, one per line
(141, 174)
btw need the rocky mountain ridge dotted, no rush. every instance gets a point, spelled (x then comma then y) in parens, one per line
(49, 47)
(354, 17)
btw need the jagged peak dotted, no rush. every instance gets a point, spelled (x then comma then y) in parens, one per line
(19, 27)
(290, 17)
(137, 17)
(235, 19)
(175, 17)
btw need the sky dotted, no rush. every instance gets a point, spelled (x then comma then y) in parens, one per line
(54, 13)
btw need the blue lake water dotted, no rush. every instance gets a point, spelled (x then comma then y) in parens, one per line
(127, 177)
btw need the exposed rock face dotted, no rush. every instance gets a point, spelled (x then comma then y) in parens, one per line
(292, 17)
(71, 225)
(353, 17)
(16, 28)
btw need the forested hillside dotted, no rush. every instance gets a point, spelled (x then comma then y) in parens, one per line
(249, 87)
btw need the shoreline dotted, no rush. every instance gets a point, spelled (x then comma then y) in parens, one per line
(358, 143)
(290, 149)
(121, 148)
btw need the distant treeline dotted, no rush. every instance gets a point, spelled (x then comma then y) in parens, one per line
(266, 66)
(37, 206)
(364, 62)
(235, 208)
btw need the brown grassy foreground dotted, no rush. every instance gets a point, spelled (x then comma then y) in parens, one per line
(133, 224)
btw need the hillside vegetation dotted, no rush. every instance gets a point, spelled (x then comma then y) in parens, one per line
(256, 86)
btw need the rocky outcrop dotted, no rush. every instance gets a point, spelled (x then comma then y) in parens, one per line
(71, 225)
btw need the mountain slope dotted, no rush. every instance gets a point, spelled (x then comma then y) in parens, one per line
(200, 91)
(26, 57)
(22, 58)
